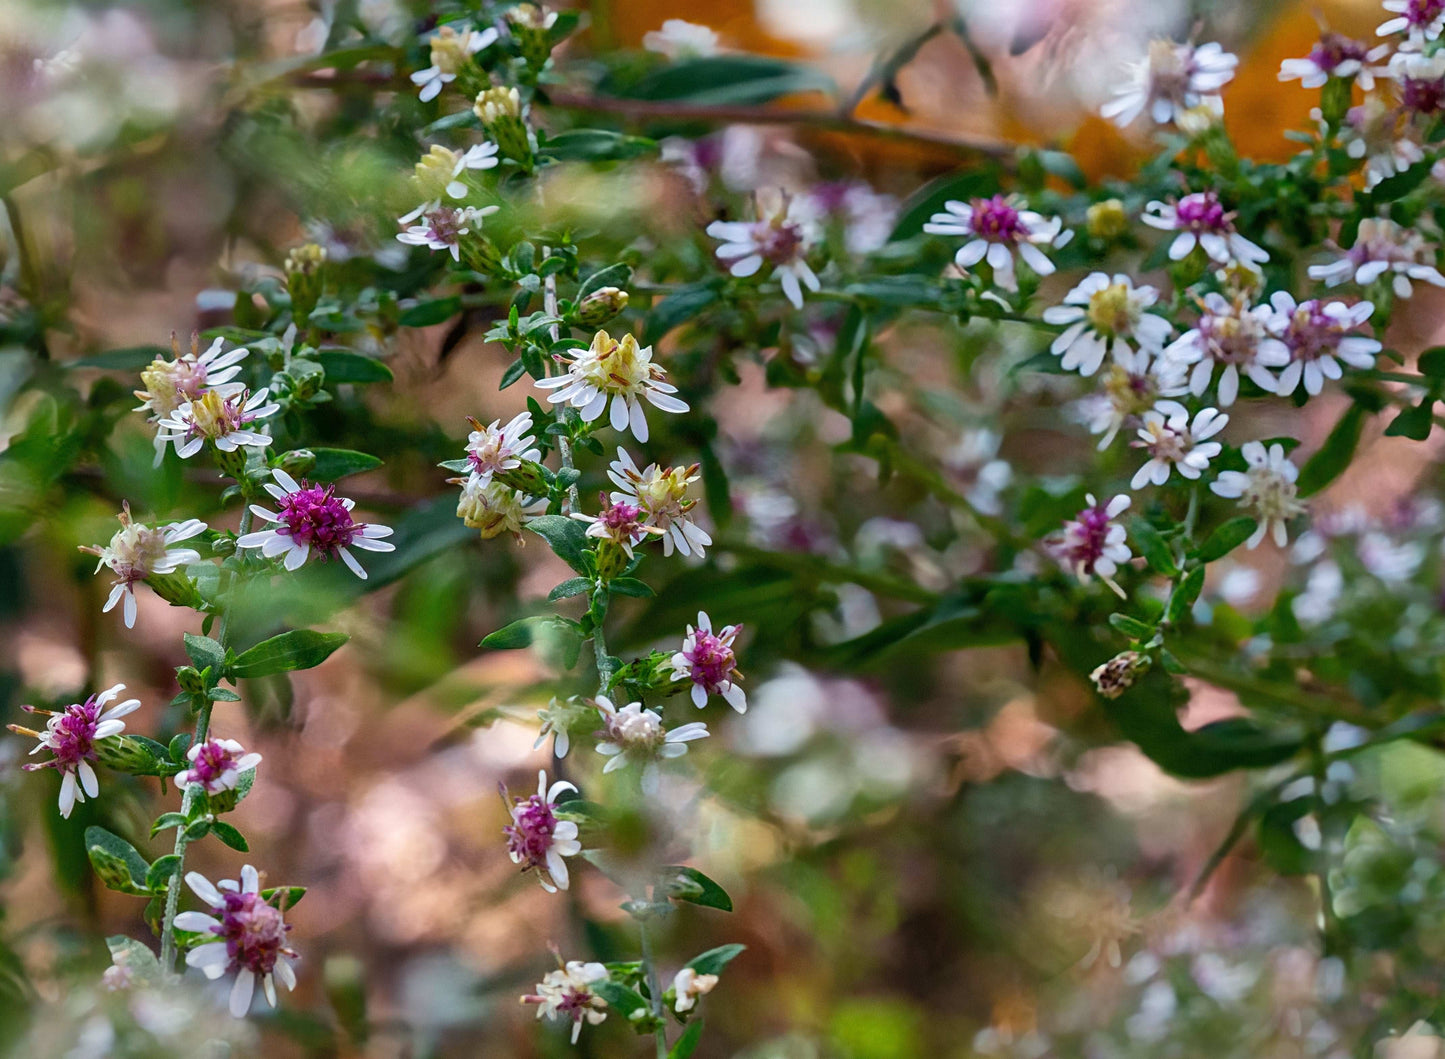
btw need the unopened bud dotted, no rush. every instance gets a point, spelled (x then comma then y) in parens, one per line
(531, 27)
(125, 753)
(612, 559)
(1107, 219)
(1118, 674)
(527, 479)
(298, 462)
(480, 254)
(500, 111)
(304, 279)
(599, 307)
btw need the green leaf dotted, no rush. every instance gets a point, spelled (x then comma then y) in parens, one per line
(332, 464)
(567, 536)
(574, 586)
(283, 897)
(179, 744)
(930, 198)
(1131, 627)
(688, 884)
(204, 652)
(524, 631)
(425, 314)
(1414, 423)
(136, 957)
(722, 80)
(622, 999)
(343, 365)
(230, 836)
(1185, 595)
(290, 651)
(630, 586)
(1226, 538)
(1431, 363)
(165, 821)
(161, 872)
(1153, 547)
(595, 145)
(1400, 184)
(1334, 455)
(116, 861)
(714, 960)
(618, 276)
(130, 359)
(680, 306)
(684, 1046)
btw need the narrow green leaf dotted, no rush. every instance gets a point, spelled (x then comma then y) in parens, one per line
(684, 1046)
(714, 960)
(166, 821)
(1414, 423)
(332, 464)
(618, 275)
(680, 306)
(567, 536)
(595, 145)
(130, 359)
(1153, 547)
(1334, 455)
(116, 861)
(1431, 363)
(574, 586)
(688, 884)
(283, 897)
(136, 957)
(1185, 595)
(290, 651)
(630, 586)
(230, 836)
(343, 365)
(622, 999)
(722, 80)
(161, 872)
(1131, 627)
(1226, 538)
(204, 652)
(425, 314)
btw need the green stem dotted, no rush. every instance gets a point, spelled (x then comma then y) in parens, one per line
(1318, 767)
(202, 729)
(649, 966)
(564, 445)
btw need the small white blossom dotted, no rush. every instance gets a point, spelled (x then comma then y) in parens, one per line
(780, 237)
(1339, 56)
(1232, 335)
(537, 839)
(171, 383)
(1175, 443)
(223, 420)
(313, 520)
(634, 734)
(680, 39)
(1266, 490)
(1093, 543)
(442, 227)
(1317, 335)
(1382, 247)
(996, 228)
(661, 495)
(1417, 19)
(1420, 80)
(1105, 314)
(495, 448)
(615, 371)
(558, 720)
(450, 51)
(495, 508)
(708, 663)
(137, 552)
(1171, 80)
(1201, 220)
(439, 174)
(1381, 134)
(216, 765)
(71, 736)
(1128, 388)
(688, 985)
(248, 937)
(567, 994)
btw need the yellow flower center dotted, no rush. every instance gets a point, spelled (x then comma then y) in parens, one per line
(1110, 311)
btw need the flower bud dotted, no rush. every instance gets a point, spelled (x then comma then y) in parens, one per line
(304, 278)
(126, 753)
(176, 588)
(500, 111)
(527, 479)
(298, 462)
(599, 307)
(612, 559)
(531, 27)
(1118, 674)
(480, 254)
(1107, 219)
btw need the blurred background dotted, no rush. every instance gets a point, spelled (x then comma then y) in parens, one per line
(943, 855)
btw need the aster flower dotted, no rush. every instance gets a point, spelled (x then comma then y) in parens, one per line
(1235, 337)
(615, 371)
(243, 936)
(779, 237)
(1174, 443)
(1335, 55)
(996, 229)
(688, 985)
(708, 663)
(71, 736)
(1317, 335)
(450, 51)
(1417, 19)
(1382, 247)
(220, 418)
(495, 448)
(137, 552)
(1201, 220)
(634, 734)
(680, 39)
(1266, 489)
(1171, 79)
(558, 720)
(566, 993)
(1381, 134)
(216, 766)
(495, 508)
(1104, 314)
(313, 519)
(1128, 388)
(442, 227)
(171, 383)
(620, 522)
(439, 174)
(1092, 543)
(661, 494)
(1420, 79)
(537, 839)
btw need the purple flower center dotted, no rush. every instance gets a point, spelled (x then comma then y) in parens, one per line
(1311, 333)
(997, 221)
(1421, 13)
(529, 835)
(1423, 96)
(1230, 339)
(575, 1003)
(313, 516)
(779, 241)
(1084, 538)
(445, 225)
(211, 763)
(253, 931)
(1334, 49)
(71, 734)
(1202, 212)
(711, 660)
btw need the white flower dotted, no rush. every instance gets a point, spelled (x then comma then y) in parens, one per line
(137, 552)
(1421, 80)
(439, 171)
(1418, 19)
(688, 985)
(779, 237)
(1173, 442)
(442, 227)
(1335, 56)
(661, 495)
(1201, 220)
(617, 371)
(679, 39)
(1235, 337)
(996, 228)
(495, 448)
(1170, 80)
(450, 51)
(71, 736)
(537, 839)
(708, 663)
(495, 508)
(637, 735)
(1093, 543)
(1325, 585)
(1104, 314)
(620, 522)
(1382, 135)
(1389, 560)
(1266, 489)
(249, 937)
(1317, 335)
(867, 217)
(171, 383)
(1128, 388)
(567, 993)
(220, 418)
(1381, 247)
(216, 765)
(558, 720)
(313, 520)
